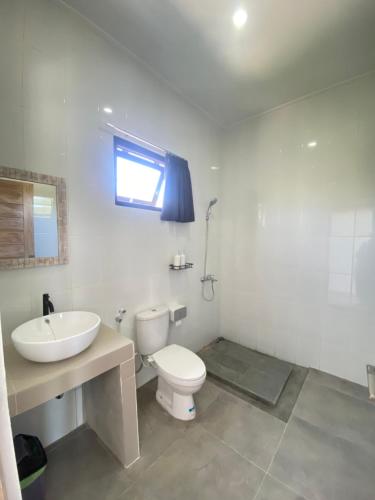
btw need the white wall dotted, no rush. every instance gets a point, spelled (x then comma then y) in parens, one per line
(297, 242)
(298, 245)
(56, 72)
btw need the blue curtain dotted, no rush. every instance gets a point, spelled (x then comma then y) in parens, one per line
(178, 203)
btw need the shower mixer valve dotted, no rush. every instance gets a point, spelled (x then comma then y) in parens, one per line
(208, 277)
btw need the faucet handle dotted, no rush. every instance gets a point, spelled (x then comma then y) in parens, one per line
(120, 316)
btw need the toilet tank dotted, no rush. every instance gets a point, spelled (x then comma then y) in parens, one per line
(152, 329)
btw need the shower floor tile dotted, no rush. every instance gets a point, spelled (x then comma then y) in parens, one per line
(256, 374)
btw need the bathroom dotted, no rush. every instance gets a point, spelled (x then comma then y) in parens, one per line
(272, 106)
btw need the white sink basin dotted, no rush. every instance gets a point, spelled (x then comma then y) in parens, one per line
(56, 336)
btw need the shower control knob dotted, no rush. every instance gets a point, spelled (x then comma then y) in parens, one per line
(208, 277)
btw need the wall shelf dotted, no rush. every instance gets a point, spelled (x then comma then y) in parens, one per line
(188, 265)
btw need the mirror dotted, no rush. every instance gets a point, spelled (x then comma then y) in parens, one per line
(32, 219)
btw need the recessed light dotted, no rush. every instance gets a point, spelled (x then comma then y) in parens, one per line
(214, 167)
(312, 144)
(239, 18)
(107, 110)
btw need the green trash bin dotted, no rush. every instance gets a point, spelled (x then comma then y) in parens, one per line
(31, 462)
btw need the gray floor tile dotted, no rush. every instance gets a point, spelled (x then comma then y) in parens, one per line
(234, 350)
(197, 466)
(273, 490)
(261, 376)
(262, 384)
(253, 433)
(250, 357)
(225, 359)
(287, 400)
(337, 413)
(339, 384)
(321, 466)
(81, 468)
(223, 365)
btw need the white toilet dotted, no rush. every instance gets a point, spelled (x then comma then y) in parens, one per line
(181, 373)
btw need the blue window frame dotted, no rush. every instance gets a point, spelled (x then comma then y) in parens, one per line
(140, 176)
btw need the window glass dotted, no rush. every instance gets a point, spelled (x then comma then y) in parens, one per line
(139, 176)
(135, 181)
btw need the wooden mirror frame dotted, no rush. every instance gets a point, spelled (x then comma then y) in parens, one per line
(62, 219)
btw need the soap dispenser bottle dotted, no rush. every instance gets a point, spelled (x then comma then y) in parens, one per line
(177, 261)
(182, 259)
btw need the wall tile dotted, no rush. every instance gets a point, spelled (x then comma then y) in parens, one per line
(11, 135)
(11, 56)
(341, 255)
(364, 222)
(312, 243)
(57, 74)
(342, 223)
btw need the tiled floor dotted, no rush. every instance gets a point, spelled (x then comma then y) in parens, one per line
(233, 450)
(254, 373)
(287, 400)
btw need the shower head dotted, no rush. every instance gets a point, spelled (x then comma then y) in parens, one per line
(210, 205)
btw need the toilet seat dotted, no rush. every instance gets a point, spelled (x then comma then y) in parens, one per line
(179, 364)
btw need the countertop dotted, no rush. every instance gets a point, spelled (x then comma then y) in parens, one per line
(30, 384)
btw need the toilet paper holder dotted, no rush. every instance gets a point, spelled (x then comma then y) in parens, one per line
(177, 312)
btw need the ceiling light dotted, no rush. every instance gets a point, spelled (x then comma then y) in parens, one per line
(214, 167)
(312, 144)
(239, 18)
(107, 110)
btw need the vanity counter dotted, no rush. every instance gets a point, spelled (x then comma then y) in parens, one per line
(31, 384)
(107, 372)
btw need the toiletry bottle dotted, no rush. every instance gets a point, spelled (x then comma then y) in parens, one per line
(176, 260)
(182, 259)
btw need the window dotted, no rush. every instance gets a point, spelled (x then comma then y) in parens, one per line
(140, 179)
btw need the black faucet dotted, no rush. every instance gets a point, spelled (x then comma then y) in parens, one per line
(47, 305)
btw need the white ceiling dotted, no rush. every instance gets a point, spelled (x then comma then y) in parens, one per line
(288, 48)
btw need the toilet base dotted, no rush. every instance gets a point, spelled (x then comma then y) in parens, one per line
(180, 406)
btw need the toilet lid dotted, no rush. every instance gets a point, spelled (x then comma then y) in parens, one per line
(179, 362)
